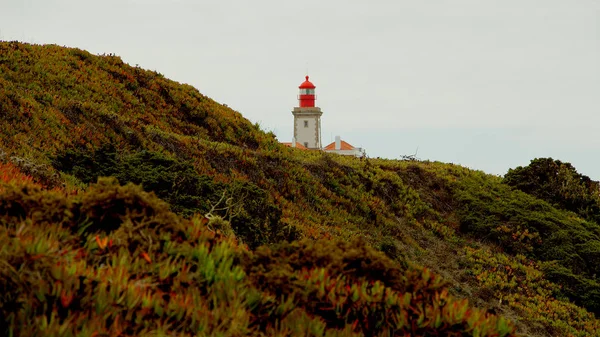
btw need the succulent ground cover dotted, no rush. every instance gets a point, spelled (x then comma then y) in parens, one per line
(115, 261)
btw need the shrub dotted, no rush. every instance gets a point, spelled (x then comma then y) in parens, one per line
(116, 261)
(559, 184)
(348, 283)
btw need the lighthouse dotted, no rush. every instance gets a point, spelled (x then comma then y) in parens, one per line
(307, 118)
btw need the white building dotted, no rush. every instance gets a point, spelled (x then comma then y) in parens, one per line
(344, 148)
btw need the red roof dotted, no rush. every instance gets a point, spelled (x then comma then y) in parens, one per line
(307, 84)
(298, 145)
(343, 146)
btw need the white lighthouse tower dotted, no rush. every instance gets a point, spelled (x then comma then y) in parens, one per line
(307, 118)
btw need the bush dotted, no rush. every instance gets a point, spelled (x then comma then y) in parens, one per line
(349, 284)
(559, 184)
(116, 261)
(253, 216)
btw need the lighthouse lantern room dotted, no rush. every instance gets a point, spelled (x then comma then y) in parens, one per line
(307, 118)
(307, 94)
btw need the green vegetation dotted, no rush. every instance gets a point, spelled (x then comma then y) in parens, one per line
(253, 216)
(209, 226)
(115, 261)
(559, 184)
(564, 246)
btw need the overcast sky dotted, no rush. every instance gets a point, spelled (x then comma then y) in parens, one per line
(488, 84)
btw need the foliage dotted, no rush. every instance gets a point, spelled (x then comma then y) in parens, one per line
(348, 283)
(519, 282)
(69, 117)
(116, 261)
(253, 217)
(559, 184)
(521, 224)
(9, 173)
(525, 225)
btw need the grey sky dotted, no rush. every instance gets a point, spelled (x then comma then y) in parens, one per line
(486, 84)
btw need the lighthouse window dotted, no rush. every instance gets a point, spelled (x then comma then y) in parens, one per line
(305, 124)
(307, 91)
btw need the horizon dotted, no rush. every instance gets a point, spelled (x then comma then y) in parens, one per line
(488, 86)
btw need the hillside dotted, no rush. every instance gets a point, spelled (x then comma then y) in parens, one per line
(263, 239)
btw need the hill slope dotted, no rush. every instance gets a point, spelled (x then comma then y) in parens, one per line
(69, 117)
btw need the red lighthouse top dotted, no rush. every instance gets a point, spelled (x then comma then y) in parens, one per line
(307, 84)
(307, 94)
